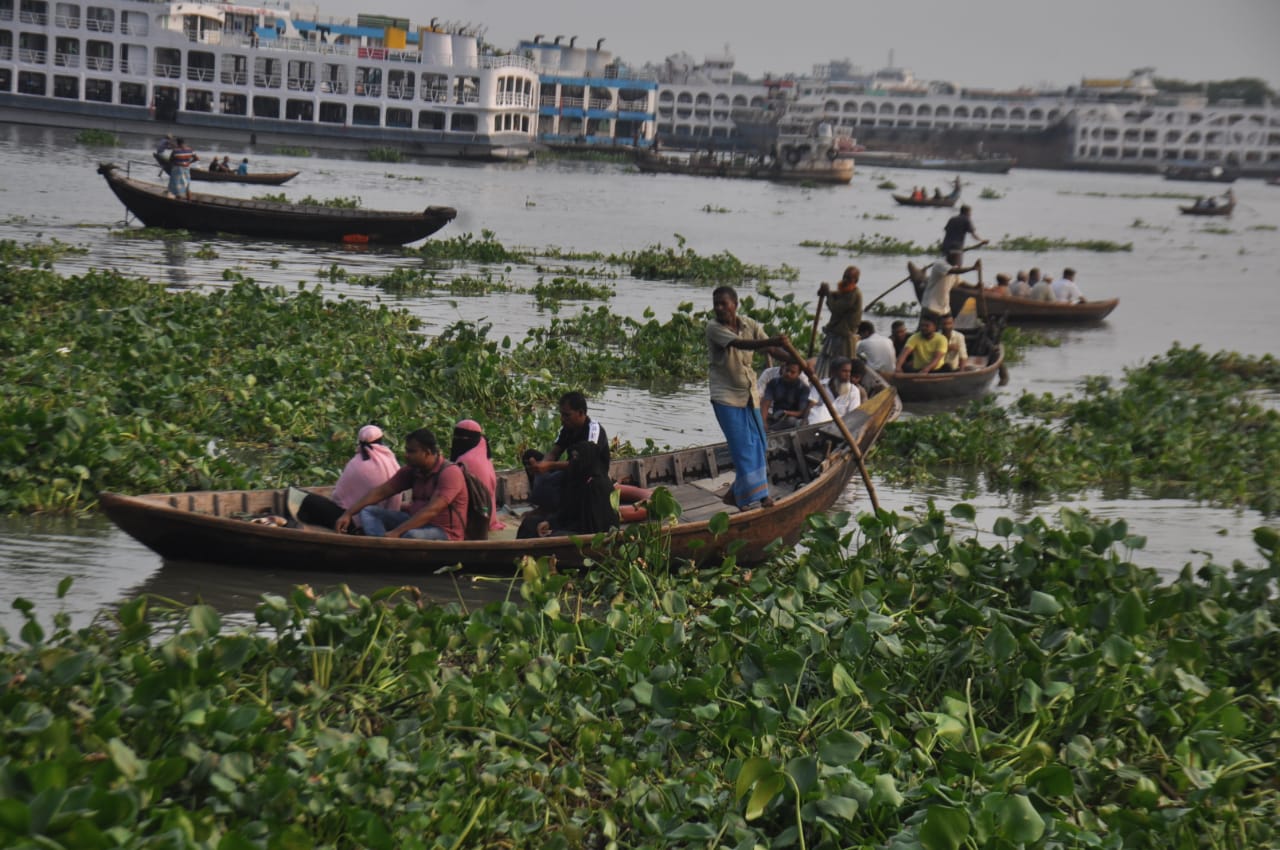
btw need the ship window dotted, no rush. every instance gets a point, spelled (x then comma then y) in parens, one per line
(168, 63)
(199, 100)
(266, 73)
(299, 110)
(66, 52)
(67, 15)
(68, 87)
(435, 88)
(462, 123)
(366, 116)
(100, 19)
(133, 94)
(33, 48)
(97, 90)
(400, 118)
(430, 120)
(333, 113)
(6, 79)
(233, 104)
(266, 107)
(200, 66)
(235, 70)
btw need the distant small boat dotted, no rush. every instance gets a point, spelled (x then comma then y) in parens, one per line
(263, 178)
(1274, 180)
(1210, 207)
(948, 200)
(155, 207)
(1200, 172)
(994, 164)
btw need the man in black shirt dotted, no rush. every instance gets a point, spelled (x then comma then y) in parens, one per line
(547, 472)
(957, 227)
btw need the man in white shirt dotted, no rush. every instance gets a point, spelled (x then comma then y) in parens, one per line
(1065, 289)
(845, 390)
(876, 349)
(1041, 290)
(944, 274)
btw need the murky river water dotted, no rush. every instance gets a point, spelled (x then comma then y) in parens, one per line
(1200, 282)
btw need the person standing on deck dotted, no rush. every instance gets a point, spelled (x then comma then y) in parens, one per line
(180, 170)
(840, 336)
(731, 338)
(957, 227)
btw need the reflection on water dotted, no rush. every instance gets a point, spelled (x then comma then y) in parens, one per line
(49, 189)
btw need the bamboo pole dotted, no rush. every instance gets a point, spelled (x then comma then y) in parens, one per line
(830, 402)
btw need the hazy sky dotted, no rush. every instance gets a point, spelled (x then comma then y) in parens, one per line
(1002, 43)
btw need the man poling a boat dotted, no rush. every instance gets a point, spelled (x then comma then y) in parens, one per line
(840, 336)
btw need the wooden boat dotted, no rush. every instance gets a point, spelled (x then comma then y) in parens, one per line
(993, 164)
(808, 470)
(1200, 172)
(794, 158)
(947, 386)
(1018, 310)
(154, 207)
(264, 178)
(948, 200)
(1225, 208)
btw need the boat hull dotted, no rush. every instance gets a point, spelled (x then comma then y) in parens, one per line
(269, 219)
(203, 527)
(946, 386)
(1224, 210)
(894, 159)
(838, 171)
(265, 178)
(908, 201)
(1023, 310)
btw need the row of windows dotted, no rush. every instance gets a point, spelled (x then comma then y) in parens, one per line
(1194, 137)
(265, 71)
(1118, 153)
(196, 100)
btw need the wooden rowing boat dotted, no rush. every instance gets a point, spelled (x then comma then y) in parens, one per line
(1219, 209)
(808, 470)
(948, 200)
(154, 207)
(970, 382)
(260, 178)
(1019, 310)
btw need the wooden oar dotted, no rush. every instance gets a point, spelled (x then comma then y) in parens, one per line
(817, 314)
(876, 300)
(836, 418)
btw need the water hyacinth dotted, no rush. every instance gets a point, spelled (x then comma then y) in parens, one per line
(893, 684)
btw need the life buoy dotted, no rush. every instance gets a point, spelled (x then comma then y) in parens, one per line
(793, 155)
(832, 153)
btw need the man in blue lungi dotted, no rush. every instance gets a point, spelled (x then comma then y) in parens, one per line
(731, 339)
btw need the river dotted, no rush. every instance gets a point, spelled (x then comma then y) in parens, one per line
(1206, 282)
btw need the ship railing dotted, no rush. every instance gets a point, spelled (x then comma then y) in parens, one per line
(301, 84)
(66, 60)
(6, 14)
(37, 18)
(333, 87)
(641, 105)
(235, 78)
(169, 71)
(66, 22)
(265, 81)
(514, 99)
(368, 90)
(600, 103)
(6, 52)
(469, 98)
(200, 75)
(99, 63)
(33, 57)
(127, 29)
(435, 95)
(99, 25)
(509, 60)
(572, 102)
(400, 92)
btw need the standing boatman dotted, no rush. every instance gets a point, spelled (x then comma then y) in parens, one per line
(957, 227)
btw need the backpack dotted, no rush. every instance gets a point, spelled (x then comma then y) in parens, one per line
(479, 507)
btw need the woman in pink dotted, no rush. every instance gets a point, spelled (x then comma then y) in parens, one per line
(371, 467)
(471, 449)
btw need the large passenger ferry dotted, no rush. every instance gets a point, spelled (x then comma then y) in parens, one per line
(264, 74)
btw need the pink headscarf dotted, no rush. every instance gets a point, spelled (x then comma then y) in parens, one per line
(476, 459)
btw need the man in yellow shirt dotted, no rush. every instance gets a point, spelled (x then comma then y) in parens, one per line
(925, 349)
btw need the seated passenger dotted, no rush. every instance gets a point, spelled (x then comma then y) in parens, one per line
(876, 349)
(471, 449)
(586, 505)
(372, 466)
(1020, 287)
(925, 350)
(1002, 284)
(768, 373)
(845, 389)
(899, 334)
(1065, 288)
(957, 356)
(438, 506)
(1041, 290)
(785, 403)
(546, 472)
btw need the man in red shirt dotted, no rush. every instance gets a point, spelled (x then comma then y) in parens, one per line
(438, 510)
